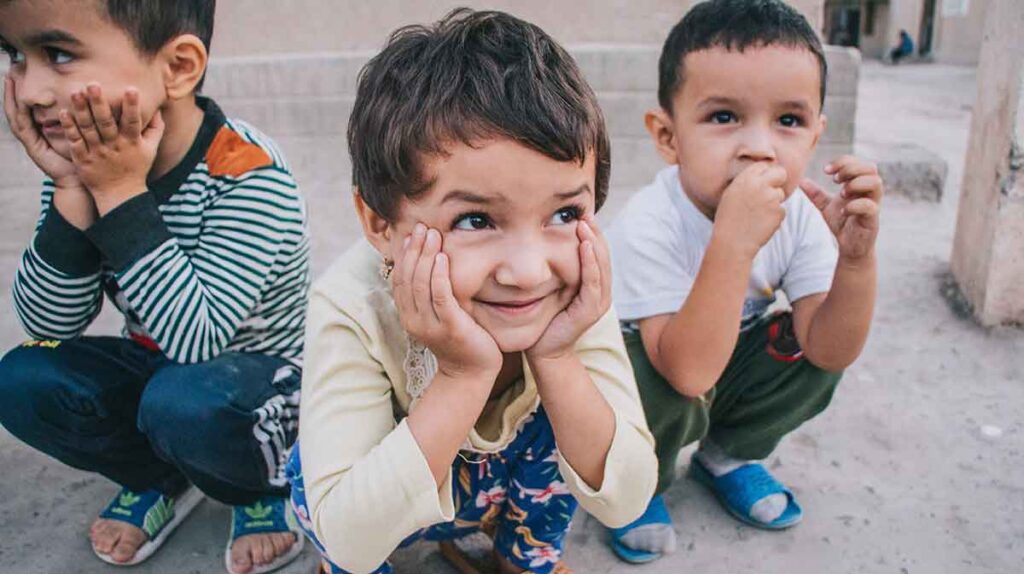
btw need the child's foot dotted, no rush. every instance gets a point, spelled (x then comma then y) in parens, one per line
(746, 489)
(117, 539)
(135, 524)
(647, 538)
(264, 536)
(718, 463)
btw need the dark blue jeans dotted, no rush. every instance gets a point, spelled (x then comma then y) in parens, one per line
(109, 405)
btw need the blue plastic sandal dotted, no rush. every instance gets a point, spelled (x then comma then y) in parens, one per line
(269, 514)
(740, 489)
(656, 513)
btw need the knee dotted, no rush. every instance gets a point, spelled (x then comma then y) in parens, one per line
(178, 407)
(34, 386)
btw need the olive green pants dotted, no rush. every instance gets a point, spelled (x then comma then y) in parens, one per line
(767, 390)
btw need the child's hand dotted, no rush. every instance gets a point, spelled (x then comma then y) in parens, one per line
(750, 210)
(853, 214)
(112, 160)
(591, 301)
(19, 117)
(428, 310)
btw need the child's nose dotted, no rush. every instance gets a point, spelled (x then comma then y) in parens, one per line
(34, 89)
(523, 267)
(756, 145)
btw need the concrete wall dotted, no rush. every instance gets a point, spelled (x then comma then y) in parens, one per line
(958, 38)
(261, 27)
(988, 249)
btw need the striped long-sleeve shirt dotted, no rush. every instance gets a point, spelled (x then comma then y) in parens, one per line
(213, 257)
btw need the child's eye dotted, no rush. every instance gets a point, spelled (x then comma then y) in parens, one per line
(566, 215)
(472, 222)
(791, 121)
(722, 117)
(15, 56)
(58, 56)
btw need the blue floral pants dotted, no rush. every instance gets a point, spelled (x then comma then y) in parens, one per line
(516, 495)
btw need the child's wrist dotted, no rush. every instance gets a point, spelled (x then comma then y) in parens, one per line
(858, 263)
(726, 244)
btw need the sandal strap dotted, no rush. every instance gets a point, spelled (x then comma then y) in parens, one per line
(149, 511)
(269, 514)
(745, 486)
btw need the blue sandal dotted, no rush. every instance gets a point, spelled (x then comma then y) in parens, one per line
(269, 514)
(153, 513)
(656, 513)
(740, 489)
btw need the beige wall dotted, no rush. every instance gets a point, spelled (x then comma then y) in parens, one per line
(261, 27)
(958, 39)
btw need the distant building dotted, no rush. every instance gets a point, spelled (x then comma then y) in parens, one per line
(948, 31)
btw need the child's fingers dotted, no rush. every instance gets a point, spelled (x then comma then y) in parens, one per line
(79, 149)
(106, 125)
(590, 274)
(83, 117)
(864, 185)
(602, 256)
(424, 270)
(442, 296)
(849, 167)
(401, 277)
(862, 207)
(131, 114)
(814, 192)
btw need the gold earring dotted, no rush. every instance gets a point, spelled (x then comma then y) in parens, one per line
(386, 267)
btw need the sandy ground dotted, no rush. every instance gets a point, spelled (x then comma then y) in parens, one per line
(916, 467)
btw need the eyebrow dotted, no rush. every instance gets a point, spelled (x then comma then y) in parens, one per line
(51, 37)
(481, 199)
(718, 101)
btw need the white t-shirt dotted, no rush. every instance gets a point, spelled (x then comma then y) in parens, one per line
(659, 239)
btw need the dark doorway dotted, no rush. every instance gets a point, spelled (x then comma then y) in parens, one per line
(927, 33)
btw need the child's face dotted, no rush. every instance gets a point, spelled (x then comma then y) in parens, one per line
(507, 216)
(737, 108)
(56, 47)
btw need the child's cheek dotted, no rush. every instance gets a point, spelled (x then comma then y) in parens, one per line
(467, 274)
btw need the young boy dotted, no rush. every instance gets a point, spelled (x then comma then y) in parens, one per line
(193, 227)
(465, 370)
(700, 253)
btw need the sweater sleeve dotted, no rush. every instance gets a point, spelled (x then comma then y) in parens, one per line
(57, 289)
(192, 302)
(631, 468)
(368, 484)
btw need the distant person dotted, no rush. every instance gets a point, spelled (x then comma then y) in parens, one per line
(903, 49)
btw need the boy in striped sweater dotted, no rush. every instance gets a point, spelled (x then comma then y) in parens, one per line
(192, 226)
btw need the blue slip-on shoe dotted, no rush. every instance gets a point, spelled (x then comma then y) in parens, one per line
(740, 489)
(656, 513)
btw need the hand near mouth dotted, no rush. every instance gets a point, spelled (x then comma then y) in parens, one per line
(590, 303)
(113, 158)
(421, 286)
(19, 117)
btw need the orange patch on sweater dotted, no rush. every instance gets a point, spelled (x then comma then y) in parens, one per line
(231, 155)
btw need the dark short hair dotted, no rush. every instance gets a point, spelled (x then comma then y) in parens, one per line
(153, 23)
(469, 77)
(733, 25)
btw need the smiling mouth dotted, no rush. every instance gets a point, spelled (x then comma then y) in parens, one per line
(519, 307)
(50, 128)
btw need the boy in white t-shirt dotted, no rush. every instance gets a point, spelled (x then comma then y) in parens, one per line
(700, 253)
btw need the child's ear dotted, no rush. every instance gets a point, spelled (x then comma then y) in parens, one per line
(659, 125)
(184, 58)
(376, 229)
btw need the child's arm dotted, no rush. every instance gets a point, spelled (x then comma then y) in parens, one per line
(192, 302)
(691, 347)
(606, 454)
(56, 290)
(468, 359)
(832, 328)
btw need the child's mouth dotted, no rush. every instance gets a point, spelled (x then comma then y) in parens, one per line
(51, 129)
(515, 307)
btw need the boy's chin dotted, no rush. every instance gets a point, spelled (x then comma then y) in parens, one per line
(516, 340)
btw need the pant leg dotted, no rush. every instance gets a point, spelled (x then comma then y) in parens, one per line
(767, 391)
(77, 401)
(226, 423)
(674, 420)
(539, 507)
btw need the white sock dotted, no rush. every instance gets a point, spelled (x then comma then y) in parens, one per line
(718, 462)
(652, 538)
